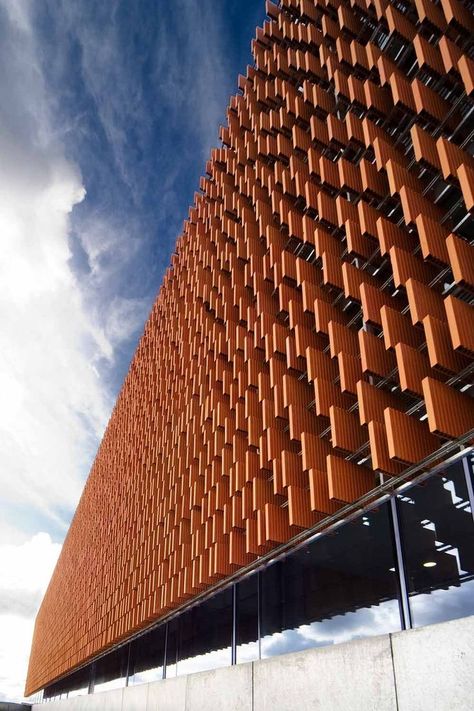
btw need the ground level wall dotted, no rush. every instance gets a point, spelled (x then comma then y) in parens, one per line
(426, 669)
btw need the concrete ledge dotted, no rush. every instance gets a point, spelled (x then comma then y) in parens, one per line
(167, 695)
(356, 675)
(229, 689)
(428, 669)
(434, 666)
(135, 698)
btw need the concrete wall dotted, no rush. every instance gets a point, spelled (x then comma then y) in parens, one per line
(428, 669)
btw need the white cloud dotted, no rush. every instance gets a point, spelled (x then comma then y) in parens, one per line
(11, 534)
(122, 318)
(53, 403)
(53, 406)
(26, 569)
(188, 82)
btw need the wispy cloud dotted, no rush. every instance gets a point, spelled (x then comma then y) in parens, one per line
(194, 83)
(53, 404)
(150, 83)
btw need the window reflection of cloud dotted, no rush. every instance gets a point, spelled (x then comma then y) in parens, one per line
(441, 590)
(144, 677)
(247, 652)
(204, 662)
(441, 605)
(342, 628)
(110, 685)
(78, 692)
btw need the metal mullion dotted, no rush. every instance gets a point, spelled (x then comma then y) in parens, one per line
(470, 488)
(404, 598)
(92, 679)
(165, 652)
(128, 664)
(234, 624)
(259, 613)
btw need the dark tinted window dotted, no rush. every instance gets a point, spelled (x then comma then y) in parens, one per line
(171, 647)
(147, 655)
(438, 538)
(111, 670)
(205, 635)
(339, 587)
(76, 684)
(247, 619)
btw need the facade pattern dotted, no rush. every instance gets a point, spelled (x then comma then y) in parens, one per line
(315, 327)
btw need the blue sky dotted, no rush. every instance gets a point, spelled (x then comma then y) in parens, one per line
(139, 92)
(108, 114)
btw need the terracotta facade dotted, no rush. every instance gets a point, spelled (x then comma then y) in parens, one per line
(314, 329)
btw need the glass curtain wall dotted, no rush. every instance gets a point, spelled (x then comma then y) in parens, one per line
(247, 619)
(344, 584)
(147, 657)
(110, 672)
(201, 637)
(339, 587)
(76, 684)
(437, 532)
(205, 635)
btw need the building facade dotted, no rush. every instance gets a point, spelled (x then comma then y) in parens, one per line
(309, 356)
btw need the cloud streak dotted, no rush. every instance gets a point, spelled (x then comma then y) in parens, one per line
(54, 407)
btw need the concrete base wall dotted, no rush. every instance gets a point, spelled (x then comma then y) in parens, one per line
(428, 669)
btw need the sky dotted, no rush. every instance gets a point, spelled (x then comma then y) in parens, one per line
(108, 112)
